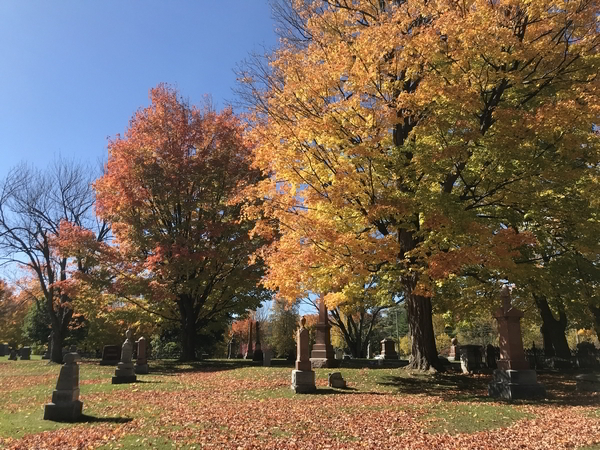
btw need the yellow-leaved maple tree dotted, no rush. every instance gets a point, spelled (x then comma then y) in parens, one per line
(412, 138)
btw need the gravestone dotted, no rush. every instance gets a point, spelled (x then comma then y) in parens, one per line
(588, 382)
(26, 353)
(388, 349)
(369, 355)
(513, 379)
(339, 353)
(13, 355)
(470, 358)
(336, 380)
(490, 357)
(66, 405)
(48, 354)
(141, 362)
(3, 349)
(258, 353)
(322, 352)
(303, 377)
(267, 355)
(249, 353)
(454, 354)
(125, 373)
(111, 355)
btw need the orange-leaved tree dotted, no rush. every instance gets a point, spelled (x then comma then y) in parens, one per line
(415, 137)
(181, 243)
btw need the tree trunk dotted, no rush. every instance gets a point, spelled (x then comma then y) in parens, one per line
(424, 354)
(553, 330)
(596, 312)
(57, 345)
(188, 331)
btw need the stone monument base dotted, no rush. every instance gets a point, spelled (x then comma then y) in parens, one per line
(515, 384)
(321, 363)
(303, 381)
(63, 412)
(141, 368)
(124, 373)
(123, 379)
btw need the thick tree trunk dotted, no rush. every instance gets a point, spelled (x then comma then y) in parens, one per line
(596, 312)
(553, 330)
(57, 345)
(424, 354)
(188, 340)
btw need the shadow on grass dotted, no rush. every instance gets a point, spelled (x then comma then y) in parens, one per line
(173, 367)
(93, 419)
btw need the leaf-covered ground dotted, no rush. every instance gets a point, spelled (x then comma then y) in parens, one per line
(237, 406)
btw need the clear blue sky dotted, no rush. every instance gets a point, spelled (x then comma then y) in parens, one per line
(73, 72)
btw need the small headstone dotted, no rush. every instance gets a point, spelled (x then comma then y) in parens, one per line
(141, 363)
(336, 380)
(454, 354)
(267, 355)
(339, 353)
(303, 378)
(125, 373)
(388, 349)
(369, 355)
(66, 405)
(470, 358)
(111, 355)
(13, 355)
(588, 382)
(26, 353)
(3, 349)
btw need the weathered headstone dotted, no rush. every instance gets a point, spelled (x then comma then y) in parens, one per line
(249, 353)
(267, 355)
(141, 363)
(336, 380)
(13, 355)
(388, 349)
(26, 353)
(125, 373)
(322, 351)
(303, 377)
(66, 405)
(339, 353)
(513, 379)
(3, 349)
(258, 353)
(470, 358)
(454, 354)
(111, 355)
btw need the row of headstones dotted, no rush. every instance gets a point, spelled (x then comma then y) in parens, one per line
(388, 350)
(66, 406)
(14, 354)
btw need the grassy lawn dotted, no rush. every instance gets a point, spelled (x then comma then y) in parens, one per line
(232, 404)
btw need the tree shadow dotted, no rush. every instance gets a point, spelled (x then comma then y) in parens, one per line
(166, 367)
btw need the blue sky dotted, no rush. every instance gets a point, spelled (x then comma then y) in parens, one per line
(73, 72)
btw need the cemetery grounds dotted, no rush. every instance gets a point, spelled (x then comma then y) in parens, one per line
(234, 405)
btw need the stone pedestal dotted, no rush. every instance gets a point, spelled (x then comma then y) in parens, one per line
(65, 406)
(141, 363)
(513, 379)
(303, 377)
(322, 354)
(388, 349)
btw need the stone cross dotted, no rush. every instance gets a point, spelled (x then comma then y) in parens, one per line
(141, 363)
(65, 404)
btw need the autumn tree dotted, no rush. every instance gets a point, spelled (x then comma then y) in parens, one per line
(13, 308)
(33, 204)
(416, 137)
(284, 323)
(170, 190)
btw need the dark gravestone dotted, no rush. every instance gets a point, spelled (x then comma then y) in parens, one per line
(26, 353)
(13, 355)
(66, 405)
(490, 357)
(470, 358)
(388, 349)
(111, 355)
(3, 349)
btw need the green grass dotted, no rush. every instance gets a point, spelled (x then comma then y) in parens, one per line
(470, 418)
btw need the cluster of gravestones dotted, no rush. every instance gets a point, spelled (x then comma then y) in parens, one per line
(65, 405)
(13, 354)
